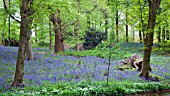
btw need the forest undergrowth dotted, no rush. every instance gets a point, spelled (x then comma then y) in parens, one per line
(81, 74)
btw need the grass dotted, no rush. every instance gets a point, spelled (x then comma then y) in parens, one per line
(81, 73)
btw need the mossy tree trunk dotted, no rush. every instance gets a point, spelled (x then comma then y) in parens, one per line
(148, 40)
(19, 73)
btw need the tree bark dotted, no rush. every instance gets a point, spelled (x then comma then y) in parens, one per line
(159, 35)
(148, 41)
(19, 73)
(59, 46)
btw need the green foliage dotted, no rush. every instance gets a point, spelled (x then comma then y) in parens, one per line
(93, 38)
(88, 89)
(102, 50)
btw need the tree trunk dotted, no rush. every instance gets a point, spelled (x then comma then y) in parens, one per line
(167, 35)
(3, 30)
(133, 33)
(19, 73)
(9, 25)
(28, 51)
(127, 39)
(36, 36)
(76, 34)
(50, 35)
(163, 34)
(140, 36)
(77, 28)
(141, 22)
(59, 46)
(29, 54)
(148, 41)
(117, 26)
(159, 35)
(106, 21)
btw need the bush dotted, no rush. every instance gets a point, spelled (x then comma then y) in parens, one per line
(93, 38)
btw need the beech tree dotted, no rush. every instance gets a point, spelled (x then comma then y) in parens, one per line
(148, 40)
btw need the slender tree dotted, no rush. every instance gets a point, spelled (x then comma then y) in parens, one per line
(9, 24)
(50, 35)
(159, 34)
(117, 22)
(3, 30)
(28, 47)
(126, 14)
(19, 73)
(77, 27)
(148, 40)
(163, 33)
(167, 34)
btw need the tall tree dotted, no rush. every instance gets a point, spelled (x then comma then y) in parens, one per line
(127, 39)
(3, 30)
(28, 51)
(159, 34)
(117, 22)
(19, 73)
(163, 33)
(77, 27)
(141, 21)
(167, 34)
(148, 40)
(9, 24)
(50, 35)
(56, 20)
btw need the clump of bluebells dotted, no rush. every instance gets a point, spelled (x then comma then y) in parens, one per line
(52, 68)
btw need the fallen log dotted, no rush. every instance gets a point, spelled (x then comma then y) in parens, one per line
(135, 61)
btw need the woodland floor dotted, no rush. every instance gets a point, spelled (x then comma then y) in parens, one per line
(51, 68)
